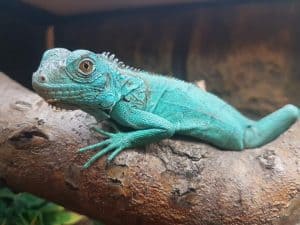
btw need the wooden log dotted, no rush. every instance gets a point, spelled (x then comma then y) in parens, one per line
(172, 182)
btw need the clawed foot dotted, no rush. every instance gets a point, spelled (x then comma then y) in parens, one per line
(115, 144)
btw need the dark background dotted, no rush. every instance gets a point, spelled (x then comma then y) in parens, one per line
(248, 52)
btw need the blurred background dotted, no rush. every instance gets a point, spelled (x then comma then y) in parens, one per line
(248, 53)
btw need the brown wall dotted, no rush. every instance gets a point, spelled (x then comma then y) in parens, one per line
(247, 53)
(22, 39)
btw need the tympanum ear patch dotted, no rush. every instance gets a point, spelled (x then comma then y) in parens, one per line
(86, 67)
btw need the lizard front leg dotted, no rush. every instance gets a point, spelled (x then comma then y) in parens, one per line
(149, 128)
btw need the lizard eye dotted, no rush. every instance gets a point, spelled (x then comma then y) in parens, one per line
(86, 67)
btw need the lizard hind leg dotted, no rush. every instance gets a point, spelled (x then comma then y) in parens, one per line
(268, 128)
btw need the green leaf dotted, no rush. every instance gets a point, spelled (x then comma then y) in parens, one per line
(6, 193)
(62, 218)
(29, 200)
(27, 209)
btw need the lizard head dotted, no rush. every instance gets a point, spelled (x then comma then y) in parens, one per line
(75, 80)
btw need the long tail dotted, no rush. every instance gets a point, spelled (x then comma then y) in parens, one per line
(271, 126)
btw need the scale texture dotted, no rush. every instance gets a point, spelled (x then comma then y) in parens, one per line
(144, 108)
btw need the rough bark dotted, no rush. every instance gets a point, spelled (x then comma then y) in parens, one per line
(173, 182)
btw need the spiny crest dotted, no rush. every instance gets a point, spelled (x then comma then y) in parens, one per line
(112, 58)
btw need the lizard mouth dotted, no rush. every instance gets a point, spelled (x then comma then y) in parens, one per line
(68, 97)
(57, 98)
(59, 105)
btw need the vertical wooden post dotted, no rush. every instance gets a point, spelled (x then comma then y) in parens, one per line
(50, 37)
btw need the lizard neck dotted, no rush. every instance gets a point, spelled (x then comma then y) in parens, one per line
(125, 86)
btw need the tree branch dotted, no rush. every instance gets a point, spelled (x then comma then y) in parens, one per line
(172, 182)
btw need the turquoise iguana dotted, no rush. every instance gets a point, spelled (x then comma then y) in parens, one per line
(151, 107)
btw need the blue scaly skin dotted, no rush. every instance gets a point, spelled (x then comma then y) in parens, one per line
(150, 106)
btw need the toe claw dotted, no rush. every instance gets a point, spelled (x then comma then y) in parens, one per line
(114, 154)
(108, 161)
(80, 150)
(86, 165)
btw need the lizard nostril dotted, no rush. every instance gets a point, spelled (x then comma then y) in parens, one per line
(42, 78)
